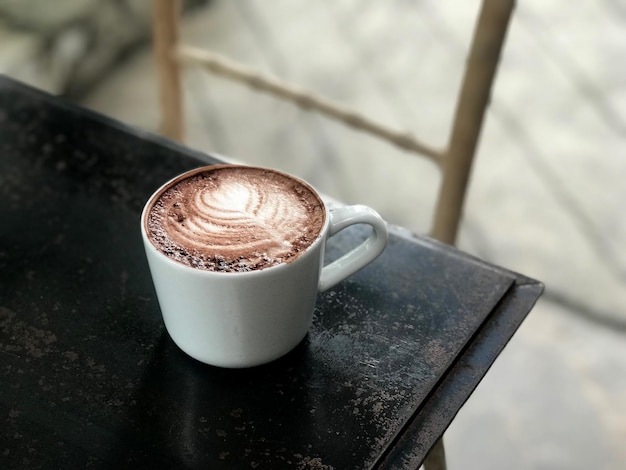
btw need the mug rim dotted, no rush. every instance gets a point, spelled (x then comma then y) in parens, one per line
(157, 193)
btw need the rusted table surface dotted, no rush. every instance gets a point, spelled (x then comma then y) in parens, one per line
(89, 376)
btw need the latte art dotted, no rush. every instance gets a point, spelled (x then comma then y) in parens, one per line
(235, 219)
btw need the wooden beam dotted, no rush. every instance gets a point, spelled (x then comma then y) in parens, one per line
(472, 103)
(165, 21)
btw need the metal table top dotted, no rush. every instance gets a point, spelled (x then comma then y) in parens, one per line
(89, 376)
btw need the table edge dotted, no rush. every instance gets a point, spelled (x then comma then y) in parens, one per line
(410, 447)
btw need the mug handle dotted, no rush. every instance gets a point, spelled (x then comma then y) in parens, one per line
(362, 254)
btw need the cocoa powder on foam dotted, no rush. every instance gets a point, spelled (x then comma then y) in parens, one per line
(234, 219)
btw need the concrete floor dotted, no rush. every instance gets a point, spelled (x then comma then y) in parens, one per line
(545, 199)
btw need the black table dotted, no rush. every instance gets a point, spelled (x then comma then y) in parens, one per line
(89, 377)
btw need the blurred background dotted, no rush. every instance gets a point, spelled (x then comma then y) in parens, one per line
(547, 192)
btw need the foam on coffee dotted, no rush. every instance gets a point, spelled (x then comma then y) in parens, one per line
(234, 219)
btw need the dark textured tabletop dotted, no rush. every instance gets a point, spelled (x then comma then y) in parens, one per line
(89, 376)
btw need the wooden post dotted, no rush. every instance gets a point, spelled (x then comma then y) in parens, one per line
(436, 458)
(472, 104)
(165, 20)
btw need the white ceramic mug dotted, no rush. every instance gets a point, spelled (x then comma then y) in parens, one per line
(244, 319)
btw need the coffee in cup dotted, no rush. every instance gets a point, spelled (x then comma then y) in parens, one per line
(235, 219)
